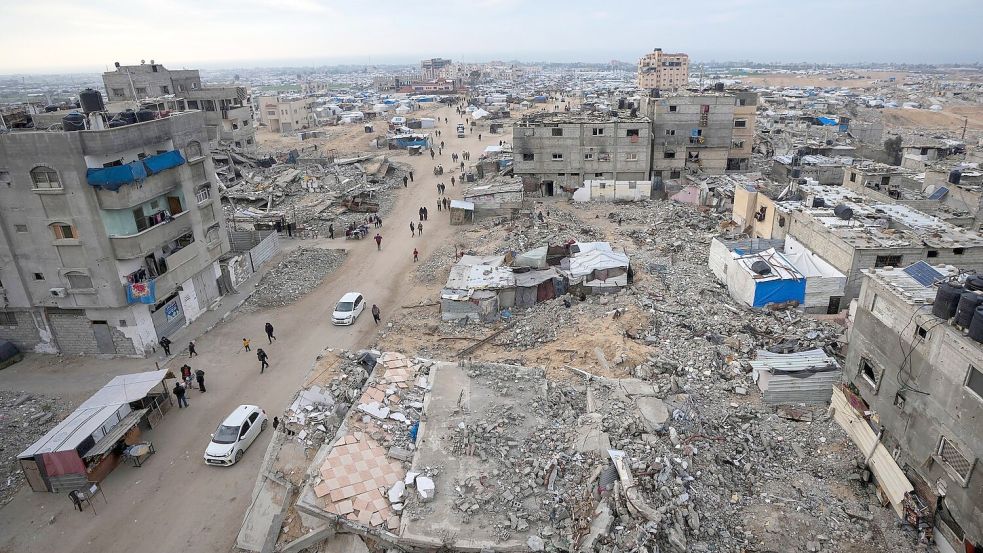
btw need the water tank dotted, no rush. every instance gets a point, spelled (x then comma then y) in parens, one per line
(118, 122)
(803, 181)
(818, 202)
(974, 282)
(51, 108)
(129, 116)
(621, 103)
(843, 212)
(955, 176)
(146, 115)
(719, 87)
(761, 268)
(91, 100)
(796, 172)
(73, 122)
(829, 141)
(976, 325)
(946, 300)
(968, 302)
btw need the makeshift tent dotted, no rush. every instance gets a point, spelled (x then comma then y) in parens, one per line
(112, 178)
(479, 113)
(599, 270)
(492, 260)
(535, 258)
(533, 287)
(778, 282)
(823, 281)
(461, 212)
(802, 377)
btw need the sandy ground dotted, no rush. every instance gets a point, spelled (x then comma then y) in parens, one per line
(950, 119)
(870, 77)
(174, 502)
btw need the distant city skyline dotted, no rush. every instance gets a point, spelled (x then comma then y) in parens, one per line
(252, 33)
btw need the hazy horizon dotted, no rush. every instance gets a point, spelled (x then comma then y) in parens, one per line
(223, 34)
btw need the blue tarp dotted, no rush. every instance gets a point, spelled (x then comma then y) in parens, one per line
(778, 291)
(826, 121)
(162, 162)
(111, 178)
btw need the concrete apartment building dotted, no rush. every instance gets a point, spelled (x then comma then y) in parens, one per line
(109, 239)
(922, 379)
(227, 109)
(436, 68)
(555, 153)
(663, 71)
(701, 133)
(286, 114)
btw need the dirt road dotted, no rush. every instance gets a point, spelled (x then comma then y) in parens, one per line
(176, 503)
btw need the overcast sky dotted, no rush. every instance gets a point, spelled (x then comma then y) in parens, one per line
(59, 35)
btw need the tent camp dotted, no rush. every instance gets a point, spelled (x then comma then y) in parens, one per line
(599, 271)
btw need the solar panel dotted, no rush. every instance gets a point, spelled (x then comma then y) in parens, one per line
(939, 193)
(923, 273)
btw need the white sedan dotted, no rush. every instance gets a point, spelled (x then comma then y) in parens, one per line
(235, 434)
(349, 307)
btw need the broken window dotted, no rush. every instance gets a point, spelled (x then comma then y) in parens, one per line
(598, 175)
(953, 459)
(737, 144)
(78, 280)
(674, 174)
(528, 157)
(165, 90)
(631, 132)
(692, 156)
(870, 373)
(958, 251)
(45, 178)
(203, 193)
(932, 253)
(118, 92)
(8, 319)
(887, 261)
(669, 155)
(597, 131)
(853, 177)
(974, 381)
(557, 157)
(672, 109)
(604, 156)
(142, 90)
(921, 331)
(556, 132)
(20, 228)
(193, 149)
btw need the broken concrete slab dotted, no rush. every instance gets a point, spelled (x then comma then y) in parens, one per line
(654, 412)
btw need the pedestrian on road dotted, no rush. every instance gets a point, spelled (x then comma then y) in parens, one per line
(439, 204)
(440, 151)
(462, 166)
(412, 229)
(186, 375)
(435, 170)
(191, 349)
(447, 203)
(269, 332)
(331, 231)
(378, 220)
(441, 143)
(179, 392)
(426, 213)
(479, 136)
(165, 343)
(200, 377)
(416, 255)
(376, 314)
(261, 355)
(378, 241)
(419, 228)
(420, 211)
(245, 344)
(411, 176)
(405, 180)
(452, 181)
(432, 155)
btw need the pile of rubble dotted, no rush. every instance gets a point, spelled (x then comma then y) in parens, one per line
(296, 275)
(24, 418)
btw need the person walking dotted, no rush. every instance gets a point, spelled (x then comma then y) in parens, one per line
(378, 241)
(245, 344)
(186, 375)
(261, 355)
(269, 332)
(432, 154)
(331, 231)
(411, 176)
(420, 211)
(412, 229)
(426, 213)
(447, 203)
(452, 181)
(419, 229)
(479, 136)
(179, 393)
(416, 255)
(439, 204)
(441, 143)
(200, 377)
(165, 343)
(376, 314)
(191, 349)
(405, 180)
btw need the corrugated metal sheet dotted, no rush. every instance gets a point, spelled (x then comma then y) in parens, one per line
(802, 377)
(266, 249)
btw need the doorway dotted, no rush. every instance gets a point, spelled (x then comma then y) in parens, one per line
(104, 337)
(174, 205)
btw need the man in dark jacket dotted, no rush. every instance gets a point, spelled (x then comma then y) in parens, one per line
(269, 332)
(179, 394)
(165, 343)
(200, 377)
(261, 355)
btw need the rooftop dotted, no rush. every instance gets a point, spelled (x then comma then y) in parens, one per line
(612, 116)
(908, 283)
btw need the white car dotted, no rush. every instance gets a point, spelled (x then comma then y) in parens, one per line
(235, 434)
(349, 307)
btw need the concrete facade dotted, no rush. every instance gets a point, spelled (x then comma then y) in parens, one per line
(701, 133)
(148, 80)
(69, 250)
(927, 395)
(663, 71)
(285, 114)
(556, 153)
(436, 68)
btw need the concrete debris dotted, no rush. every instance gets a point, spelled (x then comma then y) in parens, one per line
(425, 487)
(296, 275)
(24, 418)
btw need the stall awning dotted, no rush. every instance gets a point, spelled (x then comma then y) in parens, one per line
(109, 440)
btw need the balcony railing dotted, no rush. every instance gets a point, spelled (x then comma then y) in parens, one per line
(143, 243)
(128, 197)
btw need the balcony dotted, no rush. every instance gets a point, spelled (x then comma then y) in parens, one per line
(143, 243)
(132, 195)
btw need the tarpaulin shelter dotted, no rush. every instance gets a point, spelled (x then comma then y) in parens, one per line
(535, 258)
(780, 282)
(81, 447)
(112, 178)
(599, 270)
(534, 287)
(823, 281)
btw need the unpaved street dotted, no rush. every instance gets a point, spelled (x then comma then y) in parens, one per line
(176, 503)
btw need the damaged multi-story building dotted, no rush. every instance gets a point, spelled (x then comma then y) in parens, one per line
(227, 109)
(556, 152)
(109, 237)
(663, 71)
(921, 376)
(286, 113)
(693, 133)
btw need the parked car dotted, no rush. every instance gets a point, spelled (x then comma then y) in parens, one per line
(349, 307)
(235, 434)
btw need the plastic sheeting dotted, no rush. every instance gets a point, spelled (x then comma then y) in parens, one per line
(162, 162)
(112, 178)
(535, 258)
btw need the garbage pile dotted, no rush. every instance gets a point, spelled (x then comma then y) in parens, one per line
(297, 274)
(24, 418)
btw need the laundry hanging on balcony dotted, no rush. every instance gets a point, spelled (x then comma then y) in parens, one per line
(111, 178)
(142, 292)
(162, 162)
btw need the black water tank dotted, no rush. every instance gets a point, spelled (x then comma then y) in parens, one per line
(129, 116)
(761, 268)
(118, 122)
(976, 325)
(51, 108)
(796, 172)
(818, 202)
(146, 115)
(843, 212)
(974, 282)
(968, 302)
(719, 87)
(91, 100)
(946, 300)
(955, 176)
(73, 122)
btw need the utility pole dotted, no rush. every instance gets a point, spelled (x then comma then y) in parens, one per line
(965, 122)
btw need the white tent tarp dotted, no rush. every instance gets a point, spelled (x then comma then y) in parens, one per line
(822, 279)
(535, 258)
(479, 113)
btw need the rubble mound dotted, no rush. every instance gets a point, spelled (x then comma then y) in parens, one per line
(24, 418)
(296, 275)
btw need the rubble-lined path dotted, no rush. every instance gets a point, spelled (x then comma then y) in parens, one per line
(176, 503)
